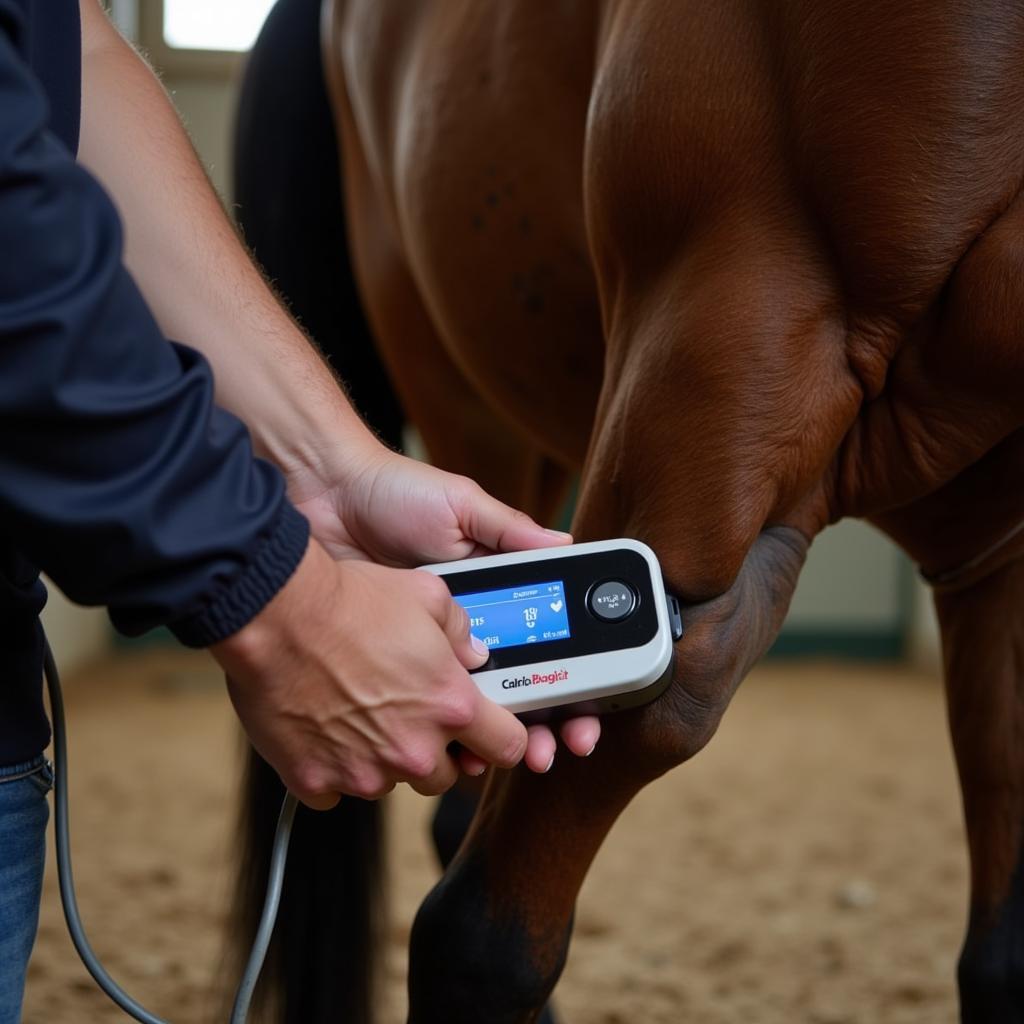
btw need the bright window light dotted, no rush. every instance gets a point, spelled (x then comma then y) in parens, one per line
(217, 25)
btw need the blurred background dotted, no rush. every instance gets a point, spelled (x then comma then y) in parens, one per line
(808, 866)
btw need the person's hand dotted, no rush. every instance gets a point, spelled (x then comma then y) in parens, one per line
(386, 508)
(382, 506)
(353, 678)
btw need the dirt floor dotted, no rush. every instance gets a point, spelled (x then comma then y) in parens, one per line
(809, 866)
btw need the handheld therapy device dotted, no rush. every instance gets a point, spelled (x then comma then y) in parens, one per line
(588, 625)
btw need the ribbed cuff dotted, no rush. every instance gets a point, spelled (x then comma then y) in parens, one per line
(246, 595)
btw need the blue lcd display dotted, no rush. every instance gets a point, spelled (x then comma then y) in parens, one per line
(531, 614)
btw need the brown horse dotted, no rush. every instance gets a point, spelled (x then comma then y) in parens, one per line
(750, 267)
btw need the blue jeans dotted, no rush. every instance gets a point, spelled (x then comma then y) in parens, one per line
(24, 813)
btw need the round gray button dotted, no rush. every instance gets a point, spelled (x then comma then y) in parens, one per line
(612, 600)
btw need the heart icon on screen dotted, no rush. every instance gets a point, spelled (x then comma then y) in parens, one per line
(556, 606)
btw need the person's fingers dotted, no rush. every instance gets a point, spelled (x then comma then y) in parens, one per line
(471, 764)
(580, 735)
(540, 749)
(321, 802)
(495, 735)
(440, 780)
(500, 528)
(311, 782)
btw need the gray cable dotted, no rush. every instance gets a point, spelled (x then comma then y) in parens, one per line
(92, 963)
(251, 974)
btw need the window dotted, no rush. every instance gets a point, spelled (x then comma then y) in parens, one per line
(227, 25)
(204, 38)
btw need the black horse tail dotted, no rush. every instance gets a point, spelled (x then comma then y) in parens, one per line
(321, 967)
(287, 191)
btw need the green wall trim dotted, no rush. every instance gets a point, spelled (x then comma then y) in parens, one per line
(859, 644)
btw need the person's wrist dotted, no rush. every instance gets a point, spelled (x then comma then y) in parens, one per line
(266, 634)
(325, 452)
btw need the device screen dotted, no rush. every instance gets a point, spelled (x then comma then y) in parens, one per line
(531, 614)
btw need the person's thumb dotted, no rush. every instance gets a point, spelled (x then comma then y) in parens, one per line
(500, 528)
(470, 650)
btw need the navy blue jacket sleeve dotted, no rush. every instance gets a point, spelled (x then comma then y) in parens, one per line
(119, 476)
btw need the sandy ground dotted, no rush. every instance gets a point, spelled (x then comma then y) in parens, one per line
(808, 867)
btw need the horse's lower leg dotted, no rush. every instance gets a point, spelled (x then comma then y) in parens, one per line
(490, 940)
(983, 636)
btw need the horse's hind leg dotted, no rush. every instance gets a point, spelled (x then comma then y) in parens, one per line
(982, 622)
(983, 637)
(462, 435)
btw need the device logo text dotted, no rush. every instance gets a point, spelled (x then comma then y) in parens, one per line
(535, 679)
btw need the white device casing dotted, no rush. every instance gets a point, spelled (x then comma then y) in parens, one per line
(593, 678)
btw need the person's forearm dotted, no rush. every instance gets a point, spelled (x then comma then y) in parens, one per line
(191, 267)
(118, 476)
